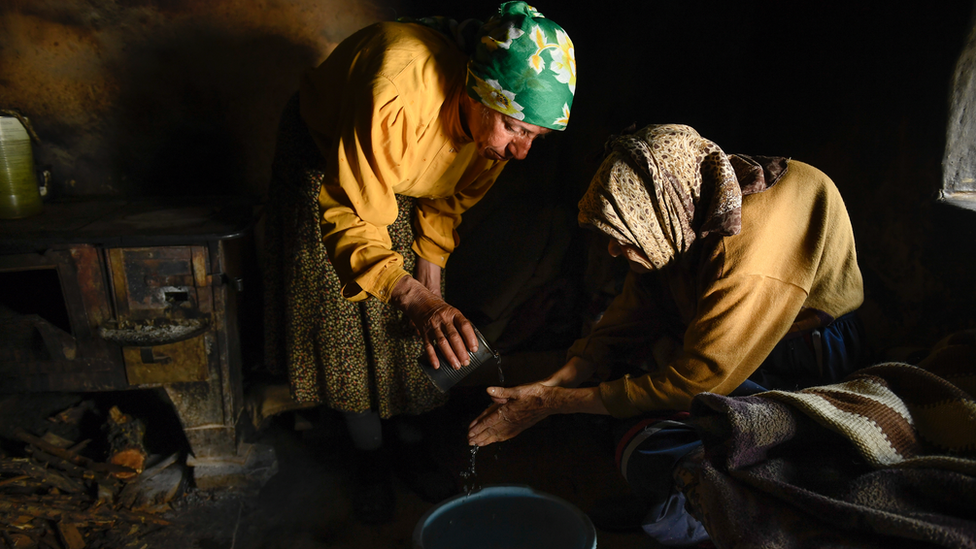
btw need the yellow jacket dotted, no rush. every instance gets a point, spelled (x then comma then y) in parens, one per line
(793, 266)
(384, 109)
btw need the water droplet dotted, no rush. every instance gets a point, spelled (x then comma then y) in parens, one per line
(470, 473)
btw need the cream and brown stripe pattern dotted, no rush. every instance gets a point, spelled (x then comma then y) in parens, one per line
(929, 421)
(886, 458)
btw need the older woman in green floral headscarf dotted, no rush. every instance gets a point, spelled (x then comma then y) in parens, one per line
(388, 142)
(524, 67)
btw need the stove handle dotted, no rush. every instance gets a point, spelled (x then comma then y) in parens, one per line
(151, 333)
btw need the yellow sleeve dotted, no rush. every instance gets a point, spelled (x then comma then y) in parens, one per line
(357, 199)
(437, 219)
(739, 321)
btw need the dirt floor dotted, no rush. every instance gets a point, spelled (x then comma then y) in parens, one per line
(305, 504)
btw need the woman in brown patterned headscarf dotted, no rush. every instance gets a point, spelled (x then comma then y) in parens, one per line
(647, 192)
(743, 276)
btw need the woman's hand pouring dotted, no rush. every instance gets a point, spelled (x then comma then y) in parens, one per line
(439, 323)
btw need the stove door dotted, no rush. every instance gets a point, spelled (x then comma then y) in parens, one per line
(164, 303)
(162, 282)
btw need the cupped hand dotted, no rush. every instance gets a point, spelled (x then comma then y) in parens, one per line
(513, 411)
(440, 325)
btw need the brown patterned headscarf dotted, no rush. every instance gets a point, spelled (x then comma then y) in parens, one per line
(663, 186)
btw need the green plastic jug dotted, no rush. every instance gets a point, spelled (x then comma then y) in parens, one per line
(19, 193)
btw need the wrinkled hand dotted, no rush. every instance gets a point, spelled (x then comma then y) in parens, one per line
(428, 274)
(437, 322)
(514, 410)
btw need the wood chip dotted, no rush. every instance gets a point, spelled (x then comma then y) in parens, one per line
(70, 536)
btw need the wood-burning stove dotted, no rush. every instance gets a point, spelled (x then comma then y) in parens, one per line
(104, 295)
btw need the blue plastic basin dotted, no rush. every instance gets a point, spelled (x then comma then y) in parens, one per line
(505, 517)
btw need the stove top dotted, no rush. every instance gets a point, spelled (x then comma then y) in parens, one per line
(131, 222)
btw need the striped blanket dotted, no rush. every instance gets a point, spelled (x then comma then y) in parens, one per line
(885, 459)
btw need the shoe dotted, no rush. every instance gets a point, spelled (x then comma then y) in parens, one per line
(373, 497)
(423, 475)
(623, 513)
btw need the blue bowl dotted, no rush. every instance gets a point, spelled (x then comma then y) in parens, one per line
(505, 517)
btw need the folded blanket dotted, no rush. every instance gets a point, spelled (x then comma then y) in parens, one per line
(885, 459)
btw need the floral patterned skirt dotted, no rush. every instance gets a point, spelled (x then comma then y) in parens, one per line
(348, 356)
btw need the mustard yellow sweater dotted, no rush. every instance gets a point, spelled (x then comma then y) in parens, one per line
(384, 109)
(793, 266)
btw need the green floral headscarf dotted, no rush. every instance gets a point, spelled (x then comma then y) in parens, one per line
(524, 66)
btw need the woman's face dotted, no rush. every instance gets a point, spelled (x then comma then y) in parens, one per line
(501, 137)
(638, 260)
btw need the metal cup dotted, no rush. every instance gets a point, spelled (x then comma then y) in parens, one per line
(446, 376)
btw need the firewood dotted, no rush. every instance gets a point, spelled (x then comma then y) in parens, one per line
(72, 511)
(132, 458)
(19, 540)
(70, 536)
(106, 493)
(73, 415)
(49, 537)
(77, 448)
(13, 481)
(69, 468)
(21, 466)
(125, 437)
(21, 484)
(45, 507)
(49, 500)
(155, 487)
(71, 456)
(159, 466)
(18, 522)
(140, 484)
(56, 440)
(12, 505)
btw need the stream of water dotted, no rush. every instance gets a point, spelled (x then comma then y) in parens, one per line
(471, 475)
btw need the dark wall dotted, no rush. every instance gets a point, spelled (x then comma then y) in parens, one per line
(858, 89)
(179, 97)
